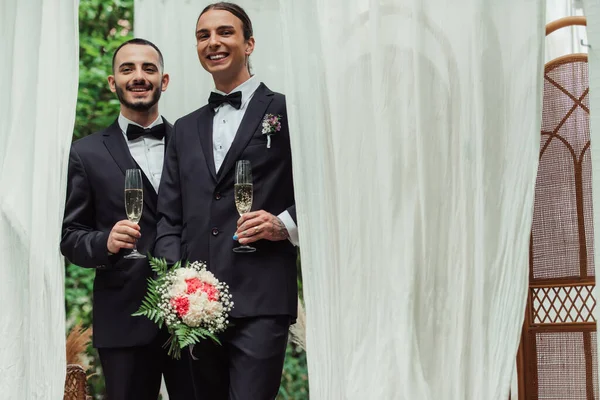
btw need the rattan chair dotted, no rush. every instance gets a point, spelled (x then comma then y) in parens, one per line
(76, 383)
(558, 358)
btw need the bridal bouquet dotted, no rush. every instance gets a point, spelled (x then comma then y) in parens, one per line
(189, 300)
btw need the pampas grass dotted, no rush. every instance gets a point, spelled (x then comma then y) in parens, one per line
(77, 343)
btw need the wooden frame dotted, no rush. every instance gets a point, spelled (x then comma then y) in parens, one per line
(565, 22)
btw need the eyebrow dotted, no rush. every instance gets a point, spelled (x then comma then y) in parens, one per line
(219, 28)
(130, 64)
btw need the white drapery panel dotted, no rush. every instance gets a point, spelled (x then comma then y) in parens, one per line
(415, 154)
(39, 65)
(415, 137)
(566, 40)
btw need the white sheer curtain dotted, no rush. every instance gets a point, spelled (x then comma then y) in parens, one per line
(39, 65)
(415, 131)
(415, 151)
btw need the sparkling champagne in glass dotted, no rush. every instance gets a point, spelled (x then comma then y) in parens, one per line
(134, 203)
(243, 195)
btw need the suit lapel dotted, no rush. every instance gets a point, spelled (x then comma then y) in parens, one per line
(205, 132)
(117, 147)
(168, 132)
(250, 122)
(150, 195)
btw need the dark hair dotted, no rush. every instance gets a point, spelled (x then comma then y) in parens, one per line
(235, 10)
(141, 42)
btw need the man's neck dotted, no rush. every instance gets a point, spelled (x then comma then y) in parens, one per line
(143, 118)
(227, 84)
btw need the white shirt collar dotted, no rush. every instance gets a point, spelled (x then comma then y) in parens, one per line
(124, 123)
(247, 88)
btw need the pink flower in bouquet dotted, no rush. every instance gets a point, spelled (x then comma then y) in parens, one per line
(194, 285)
(211, 291)
(181, 305)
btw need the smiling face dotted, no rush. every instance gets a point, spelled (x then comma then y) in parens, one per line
(138, 80)
(222, 49)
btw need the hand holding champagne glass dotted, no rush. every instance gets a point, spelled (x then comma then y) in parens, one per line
(243, 195)
(134, 203)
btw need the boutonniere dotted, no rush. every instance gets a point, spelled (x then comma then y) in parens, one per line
(271, 125)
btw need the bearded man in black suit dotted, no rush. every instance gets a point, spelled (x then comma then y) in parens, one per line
(97, 235)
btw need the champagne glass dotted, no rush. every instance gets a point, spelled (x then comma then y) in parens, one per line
(243, 195)
(134, 203)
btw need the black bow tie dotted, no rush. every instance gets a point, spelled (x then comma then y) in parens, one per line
(135, 131)
(216, 99)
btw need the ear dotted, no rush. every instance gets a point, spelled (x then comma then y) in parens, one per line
(111, 83)
(165, 81)
(249, 46)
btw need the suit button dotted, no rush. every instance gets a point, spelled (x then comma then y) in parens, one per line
(215, 232)
(217, 196)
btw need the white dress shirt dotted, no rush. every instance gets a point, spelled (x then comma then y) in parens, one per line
(226, 122)
(147, 151)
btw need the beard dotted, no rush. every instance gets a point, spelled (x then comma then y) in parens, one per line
(141, 105)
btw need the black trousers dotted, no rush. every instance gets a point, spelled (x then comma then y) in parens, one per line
(249, 363)
(134, 373)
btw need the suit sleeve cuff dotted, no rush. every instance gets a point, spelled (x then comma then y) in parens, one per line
(291, 227)
(103, 258)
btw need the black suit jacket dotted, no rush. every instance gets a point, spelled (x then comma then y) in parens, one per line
(197, 214)
(95, 202)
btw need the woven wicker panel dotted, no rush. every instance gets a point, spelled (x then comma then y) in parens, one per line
(588, 210)
(594, 354)
(562, 231)
(554, 231)
(561, 304)
(561, 362)
(566, 87)
(75, 383)
(559, 359)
